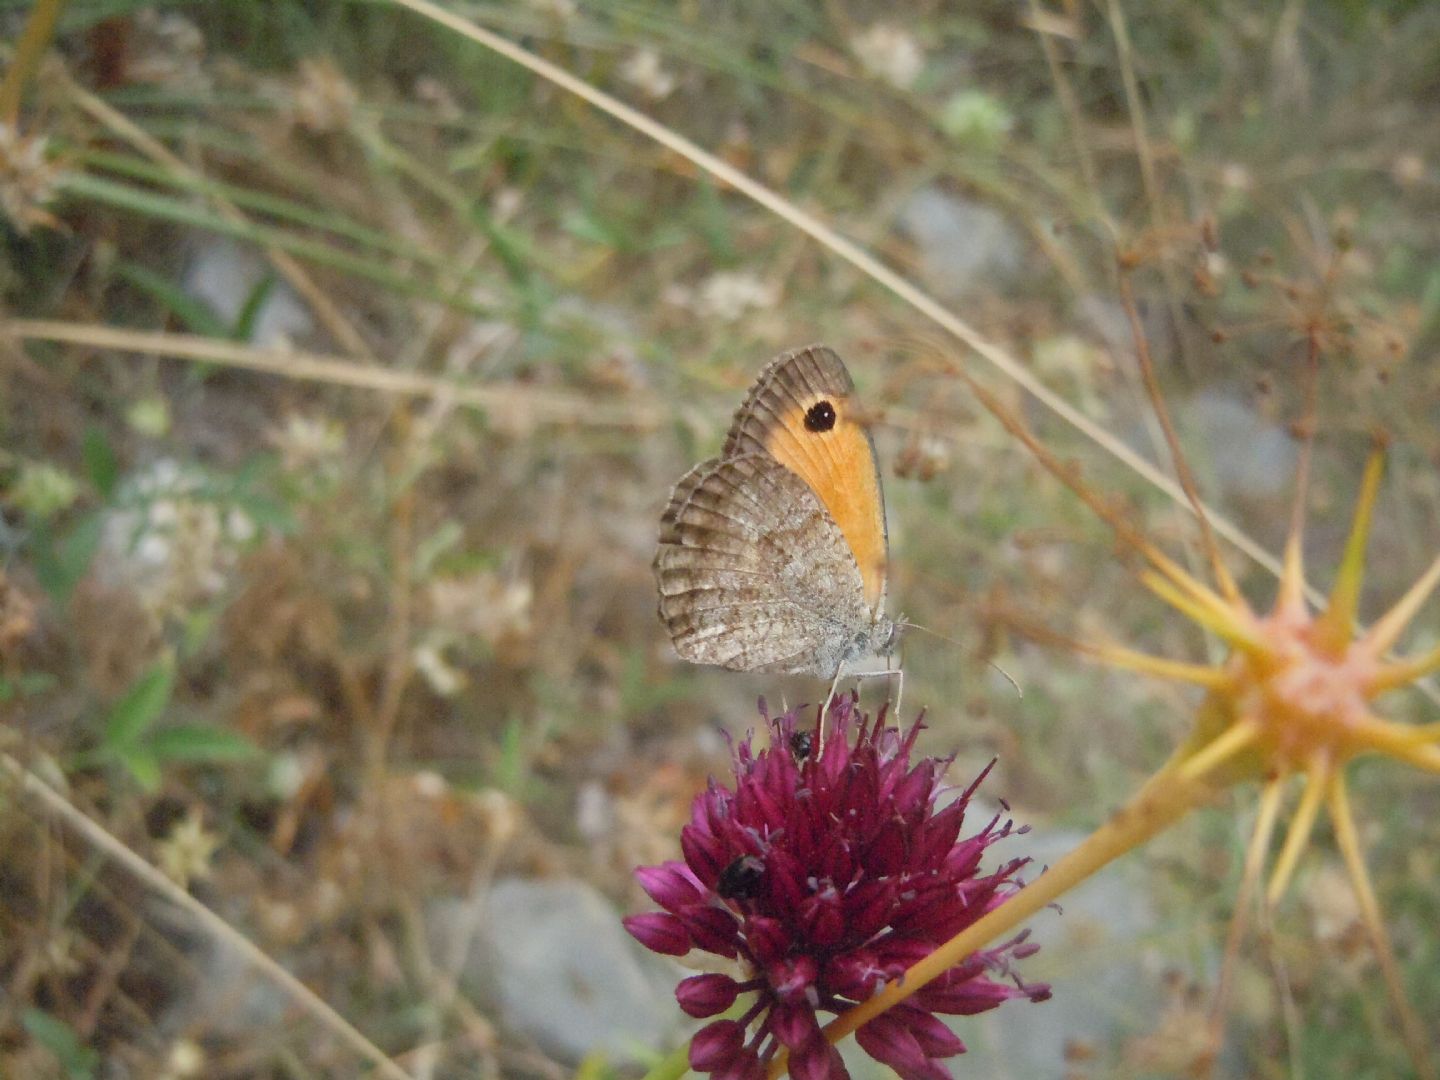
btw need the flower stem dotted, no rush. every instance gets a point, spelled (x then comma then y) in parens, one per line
(1164, 799)
(677, 1063)
(1219, 750)
(34, 40)
(671, 1067)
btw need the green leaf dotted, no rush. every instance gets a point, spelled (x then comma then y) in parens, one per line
(60, 562)
(200, 744)
(583, 225)
(196, 627)
(711, 218)
(184, 211)
(429, 550)
(244, 328)
(198, 316)
(78, 1060)
(143, 766)
(1430, 302)
(141, 706)
(26, 685)
(100, 461)
(509, 775)
(266, 205)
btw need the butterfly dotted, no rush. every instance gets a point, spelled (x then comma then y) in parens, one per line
(773, 556)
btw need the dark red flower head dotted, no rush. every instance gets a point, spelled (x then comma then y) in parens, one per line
(828, 871)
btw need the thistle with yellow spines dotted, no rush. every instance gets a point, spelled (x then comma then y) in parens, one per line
(1294, 698)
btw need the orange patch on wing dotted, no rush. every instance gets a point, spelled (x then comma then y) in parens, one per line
(840, 467)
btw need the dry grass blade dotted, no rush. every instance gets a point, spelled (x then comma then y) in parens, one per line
(102, 841)
(521, 406)
(1148, 177)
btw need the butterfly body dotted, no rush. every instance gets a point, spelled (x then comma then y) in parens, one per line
(772, 557)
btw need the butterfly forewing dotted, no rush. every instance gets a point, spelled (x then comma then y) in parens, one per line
(801, 413)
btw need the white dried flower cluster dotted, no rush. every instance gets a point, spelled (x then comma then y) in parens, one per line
(184, 855)
(166, 49)
(561, 10)
(324, 101)
(185, 1060)
(27, 180)
(889, 53)
(486, 609)
(312, 452)
(168, 541)
(306, 442)
(727, 296)
(643, 70)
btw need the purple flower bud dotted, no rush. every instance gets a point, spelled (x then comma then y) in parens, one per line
(794, 1024)
(822, 918)
(888, 1039)
(715, 1045)
(659, 933)
(706, 995)
(933, 1037)
(791, 980)
(711, 928)
(671, 885)
(817, 1060)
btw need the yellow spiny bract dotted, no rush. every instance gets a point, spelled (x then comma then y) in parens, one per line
(1295, 692)
(1294, 697)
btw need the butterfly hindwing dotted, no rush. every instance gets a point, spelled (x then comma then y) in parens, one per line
(754, 573)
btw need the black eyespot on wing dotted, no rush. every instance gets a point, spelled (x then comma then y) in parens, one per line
(820, 416)
(741, 879)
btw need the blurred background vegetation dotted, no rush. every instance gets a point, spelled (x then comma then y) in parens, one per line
(363, 653)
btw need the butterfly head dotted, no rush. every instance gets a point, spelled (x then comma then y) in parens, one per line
(877, 639)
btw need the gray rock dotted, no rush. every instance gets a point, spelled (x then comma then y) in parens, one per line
(962, 244)
(224, 275)
(553, 960)
(227, 998)
(1093, 955)
(1242, 453)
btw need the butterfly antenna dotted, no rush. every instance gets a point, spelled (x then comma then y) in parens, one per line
(1019, 691)
(908, 625)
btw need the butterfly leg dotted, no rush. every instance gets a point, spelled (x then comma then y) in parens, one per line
(824, 709)
(898, 674)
